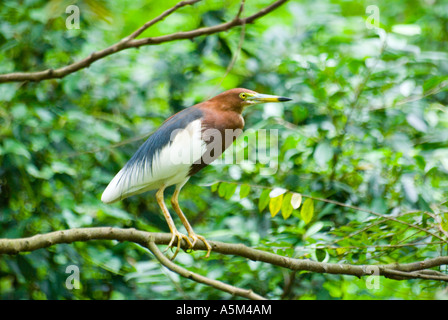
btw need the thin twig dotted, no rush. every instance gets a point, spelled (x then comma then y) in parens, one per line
(376, 214)
(353, 106)
(428, 93)
(376, 246)
(238, 50)
(386, 217)
(152, 22)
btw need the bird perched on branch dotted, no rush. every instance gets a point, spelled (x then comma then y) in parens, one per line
(184, 144)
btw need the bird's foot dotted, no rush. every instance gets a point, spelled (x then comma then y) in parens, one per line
(179, 236)
(197, 237)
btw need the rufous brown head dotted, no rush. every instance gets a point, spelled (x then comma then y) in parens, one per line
(238, 98)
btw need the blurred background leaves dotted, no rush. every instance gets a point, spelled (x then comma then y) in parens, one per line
(368, 127)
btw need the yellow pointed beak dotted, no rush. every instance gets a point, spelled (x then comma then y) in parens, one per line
(260, 98)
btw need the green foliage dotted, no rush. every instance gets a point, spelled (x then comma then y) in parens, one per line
(307, 211)
(368, 128)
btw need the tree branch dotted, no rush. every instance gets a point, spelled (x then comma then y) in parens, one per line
(413, 270)
(201, 279)
(131, 42)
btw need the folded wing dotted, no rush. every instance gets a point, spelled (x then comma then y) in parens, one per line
(165, 158)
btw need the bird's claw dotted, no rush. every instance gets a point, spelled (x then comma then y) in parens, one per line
(197, 237)
(179, 237)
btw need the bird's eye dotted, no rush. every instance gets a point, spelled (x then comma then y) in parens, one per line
(243, 96)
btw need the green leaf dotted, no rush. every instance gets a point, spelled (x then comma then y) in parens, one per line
(307, 211)
(313, 229)
(244, 191)
(222, 189)
(420, 161)
(61, 167)
(444, 222)
(16, 147)
(296, 200)
(214, 186)
(275, 205)
(264, 200)
(230, 190)
(45, 173)
(287, 206)
(434, 82)
(321, 255)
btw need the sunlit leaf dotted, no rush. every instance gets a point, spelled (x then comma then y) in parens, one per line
(275, 204)
(230, 190)
(444, 223)
(222, 189)
(214, 187)
(287, 207)
(276, 192)
(264, 200)
(296, 200)
(313, 229)
(307, 211)
(244, 191)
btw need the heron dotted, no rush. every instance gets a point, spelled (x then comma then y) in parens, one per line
(183, 145)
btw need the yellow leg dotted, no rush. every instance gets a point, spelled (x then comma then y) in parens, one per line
(191, 233)
(169, 220)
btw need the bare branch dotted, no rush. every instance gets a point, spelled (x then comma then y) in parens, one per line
(131, 42)
(241, 9)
